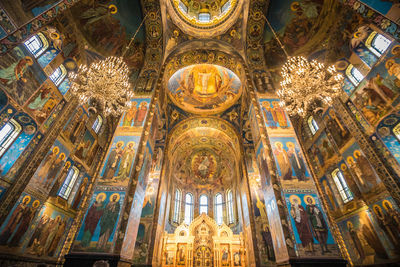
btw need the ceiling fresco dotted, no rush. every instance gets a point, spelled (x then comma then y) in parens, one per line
(204, 18)
(204, 88)
(107, 27)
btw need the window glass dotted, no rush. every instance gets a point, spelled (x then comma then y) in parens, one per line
(342, 186)
(177, 205)
(69, 183)
(97, 124)
(230, 207)
(218, 209)
(203, 204)
(312, 124)
(58, 75)
(188, 208)
(8, 133)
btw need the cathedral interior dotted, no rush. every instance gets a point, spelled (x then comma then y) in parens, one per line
(203, 166)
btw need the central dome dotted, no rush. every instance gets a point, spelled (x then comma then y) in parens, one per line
(204, 88)
(198, 17)
(204, 12)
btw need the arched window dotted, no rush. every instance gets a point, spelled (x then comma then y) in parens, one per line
(8, 133)
(354, 75)
(37, 44)
(177, 205)
(377, 43)
(229, 202)
(342, 186)
(69, 182)
(188, 208)
(203, 204)
(312, 124)
(204, 17)
(58, 75)
(97, 124)
(218, 208)
(183, 7)
(396, 131)
(226, 6)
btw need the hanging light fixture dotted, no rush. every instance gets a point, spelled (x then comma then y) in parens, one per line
(306, 84)
(105, 82)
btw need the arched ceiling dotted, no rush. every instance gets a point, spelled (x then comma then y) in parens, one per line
(203, 152)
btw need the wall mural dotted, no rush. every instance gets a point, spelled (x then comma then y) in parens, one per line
(364, 244)
(20, 75)
(311, 230)
(387, 216)
(74, 126)
(43, 102)
(119, 161)
(336, 127)
(100, 222)
(290, 162)
(54, 161)
(274, 115)
(87, 148)
(204, 88)
(16, 149)
(16, 225)
(47, 233)
(136, 115)
(364, 174)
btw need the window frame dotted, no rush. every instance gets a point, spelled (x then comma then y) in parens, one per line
(177, 205)
(218, 206)
(9, 138)
(342, 186)
(312, 125)
(59, 79)
(69, 182)
(229, 201)
(97, 124)
(43, 44)
(189, 208)
(373, 47)
(352, 77)
(203, 207)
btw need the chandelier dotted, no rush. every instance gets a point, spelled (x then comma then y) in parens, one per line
(106, 82)
(306, 84)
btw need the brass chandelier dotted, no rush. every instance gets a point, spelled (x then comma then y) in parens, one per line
(306, 84)
(105, 82)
